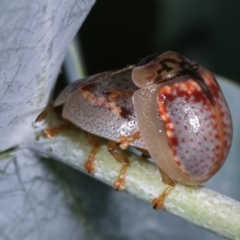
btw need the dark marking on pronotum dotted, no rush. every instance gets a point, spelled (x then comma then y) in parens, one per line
(125, 113)
(165, 66)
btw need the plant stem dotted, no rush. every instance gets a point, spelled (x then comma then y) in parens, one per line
(198, 205)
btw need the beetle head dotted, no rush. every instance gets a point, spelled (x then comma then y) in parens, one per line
(162, 67)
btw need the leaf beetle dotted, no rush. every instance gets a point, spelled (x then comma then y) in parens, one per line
(166, 105)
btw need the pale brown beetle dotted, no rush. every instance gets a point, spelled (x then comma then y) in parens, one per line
(167, 105)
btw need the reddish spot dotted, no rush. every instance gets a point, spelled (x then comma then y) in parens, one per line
(213, 116)
(222, 114)
(217, 148)
(174, 141)
(125, 113)
(217, 136)
(199, 96)
(215, 126)
(168, 120)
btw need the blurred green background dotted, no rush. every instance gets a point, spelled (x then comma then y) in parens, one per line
(118, 33)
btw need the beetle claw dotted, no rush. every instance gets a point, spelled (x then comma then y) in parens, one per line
(158, 203)
(120, 183)
(90, 166)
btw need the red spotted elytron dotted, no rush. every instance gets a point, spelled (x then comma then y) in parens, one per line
(166, 105)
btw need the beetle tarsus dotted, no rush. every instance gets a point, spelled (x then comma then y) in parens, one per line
(90, 164)
(119, 183)
(52, 132)
(124, 141)
(158, 203)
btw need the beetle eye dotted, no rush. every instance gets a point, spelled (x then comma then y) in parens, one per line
(148, 59)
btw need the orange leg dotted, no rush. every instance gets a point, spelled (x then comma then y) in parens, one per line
(158, 203)
(43, 115)
(125, 141)
(52, 132)
(119, 183)
(89, 164)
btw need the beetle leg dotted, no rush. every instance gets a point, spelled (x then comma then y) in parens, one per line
(89, 164)
(42, 115)
(119, 184)
(52, 132)
(126, 140)
(115, 94)
(158, 202)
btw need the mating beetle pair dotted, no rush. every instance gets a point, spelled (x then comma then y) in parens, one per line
(166, 105)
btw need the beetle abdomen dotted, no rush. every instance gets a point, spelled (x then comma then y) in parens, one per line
(197, 123)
